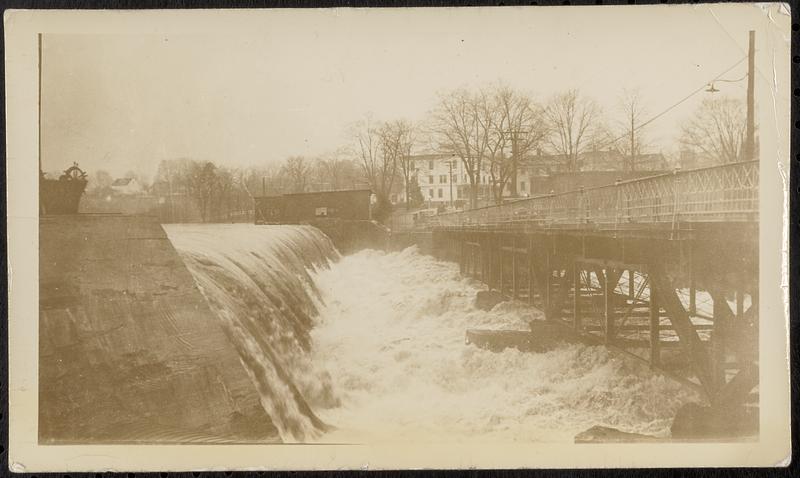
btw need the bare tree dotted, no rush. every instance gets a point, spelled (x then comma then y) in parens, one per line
(398, 139)
(377, 153)
(203, 183)
(225, 193)
(320, 180)
(297, 171)
(244, 196)
(270, 179)
(517, 123)
(491, 117)
(341, 172)
(570, 118)
(461, 129)
(626, 136)
(717, 130)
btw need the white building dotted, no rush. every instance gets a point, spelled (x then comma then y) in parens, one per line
(126, 186)
(443, 180)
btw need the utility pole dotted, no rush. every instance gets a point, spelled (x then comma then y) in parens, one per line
(450, 180)
(407, 173)
(40, 104)
(633, 144)
(750, 144)
(41, 173)
(514, 164)
(514, 157)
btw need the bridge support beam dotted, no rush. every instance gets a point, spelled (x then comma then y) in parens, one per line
(680, 320)
(722, 321)
(611, 277)
(531, 273)
(655, 329)
(514, 288)
(597, 287)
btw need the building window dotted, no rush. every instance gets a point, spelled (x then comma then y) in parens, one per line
(459, 193)
(522, 186)
(430, 179)
(430, 164)
(440, 192)
(442, 179)
(430, 192)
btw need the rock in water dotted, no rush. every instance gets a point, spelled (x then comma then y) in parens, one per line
(551, 333)
(499, 340)
(694, 421)
(601, 434)
(543, 336)
(487, 299)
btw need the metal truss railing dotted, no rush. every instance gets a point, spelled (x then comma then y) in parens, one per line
(727, 193)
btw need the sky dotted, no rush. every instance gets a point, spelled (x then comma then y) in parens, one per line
(291, 82)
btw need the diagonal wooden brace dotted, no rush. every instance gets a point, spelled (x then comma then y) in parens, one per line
(683, 326)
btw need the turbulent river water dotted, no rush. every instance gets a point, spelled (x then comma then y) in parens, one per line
(370, 347)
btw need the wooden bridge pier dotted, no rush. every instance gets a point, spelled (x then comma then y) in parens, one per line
(637, 295)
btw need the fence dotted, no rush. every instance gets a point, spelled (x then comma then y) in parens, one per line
(726, 193)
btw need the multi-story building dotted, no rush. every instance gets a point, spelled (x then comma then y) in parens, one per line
(442, 180)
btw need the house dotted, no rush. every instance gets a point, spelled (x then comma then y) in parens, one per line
(126, 186)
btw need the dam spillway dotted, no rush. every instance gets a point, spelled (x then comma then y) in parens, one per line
(258, 281)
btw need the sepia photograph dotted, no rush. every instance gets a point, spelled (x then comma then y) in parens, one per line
(382, 233)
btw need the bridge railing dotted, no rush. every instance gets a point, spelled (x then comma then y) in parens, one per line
(720, 193)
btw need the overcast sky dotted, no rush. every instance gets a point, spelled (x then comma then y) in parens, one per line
(125, 102)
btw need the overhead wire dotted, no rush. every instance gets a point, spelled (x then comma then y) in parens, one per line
(676, 104)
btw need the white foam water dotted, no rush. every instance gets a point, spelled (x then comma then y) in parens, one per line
(371, 347)
(391, 331)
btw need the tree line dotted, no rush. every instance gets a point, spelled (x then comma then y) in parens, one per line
(491, 131)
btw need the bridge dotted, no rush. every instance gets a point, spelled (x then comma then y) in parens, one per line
(663, 268)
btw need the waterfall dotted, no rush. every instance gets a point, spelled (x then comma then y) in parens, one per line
(258, 281)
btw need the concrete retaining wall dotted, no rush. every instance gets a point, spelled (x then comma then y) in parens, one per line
(129, 351)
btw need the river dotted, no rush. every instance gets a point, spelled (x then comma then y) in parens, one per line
(370, 347)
